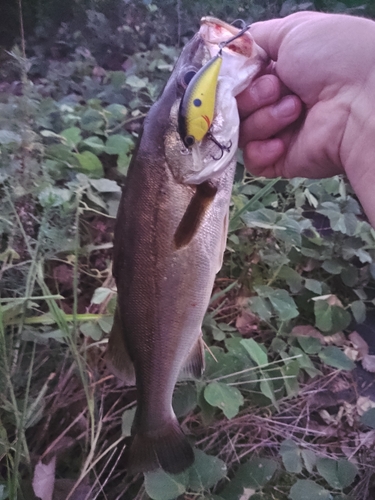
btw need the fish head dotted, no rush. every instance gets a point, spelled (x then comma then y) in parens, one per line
(242, 60)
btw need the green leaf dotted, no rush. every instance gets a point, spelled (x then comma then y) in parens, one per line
(289, 232)
(291, 456)
(105, 186)
(292, 277)
(91, 329)
(106, 323)
(284, 304)
(309, 459)
(227, 398)
(127, 420)
(184, 399)
(92, 120)
(118, 145)
(359, 310)
(310, 345)
(162, 486)
(206, 471)
(118, 111)
(257, 472)
(368, 418)
(7, 137)
(339, 474)
(266, 387)
(349, 276)
(255, 351)
(136, 82)
(305, 362)
(332, 266)
(52, 196)
(261, 306)
(333, 356)
(314, 286)
(323, 315)
(330, 319)
(305, 489)
(100, 295)
(95, 143)
(72, 136)
(90, 164)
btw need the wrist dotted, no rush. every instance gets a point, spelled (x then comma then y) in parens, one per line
(357, 149)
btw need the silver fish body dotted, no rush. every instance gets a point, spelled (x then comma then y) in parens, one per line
(169, 242)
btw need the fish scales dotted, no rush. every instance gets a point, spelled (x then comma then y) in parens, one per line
(169, 241)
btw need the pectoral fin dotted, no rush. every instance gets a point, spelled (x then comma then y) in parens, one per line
(192, 218)
(117, 355)
(194, 364)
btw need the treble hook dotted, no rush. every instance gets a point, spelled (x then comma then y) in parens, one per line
(240, 33)
(220, 146)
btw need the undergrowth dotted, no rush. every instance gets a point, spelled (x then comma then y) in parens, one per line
(281, 411)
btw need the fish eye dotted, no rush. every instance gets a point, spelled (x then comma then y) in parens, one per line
(188, 76)
(189, 140)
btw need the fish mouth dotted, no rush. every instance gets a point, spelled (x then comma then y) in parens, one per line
(215, 32)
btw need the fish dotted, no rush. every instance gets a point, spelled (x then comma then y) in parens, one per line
(170, 237)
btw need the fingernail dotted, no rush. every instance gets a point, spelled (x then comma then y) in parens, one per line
(286, 107)
(263, 88)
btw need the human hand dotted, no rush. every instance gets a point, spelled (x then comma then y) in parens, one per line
(328, 62)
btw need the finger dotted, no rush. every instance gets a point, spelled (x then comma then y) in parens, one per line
(270, 34)
(270, 120)
(263, 91)
(260, 156)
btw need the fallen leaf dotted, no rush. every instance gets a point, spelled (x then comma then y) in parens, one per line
(338, 339)
(331, 300)
(307, 331)
(368, 363)
(359, 344)
(44, 479)
(364, 403)
(366, 439)
(352, 353)
(246, 322)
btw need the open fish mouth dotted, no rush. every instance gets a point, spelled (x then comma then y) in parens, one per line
(216, 32)
(242, 59)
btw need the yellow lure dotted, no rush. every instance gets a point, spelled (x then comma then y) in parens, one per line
(198, 103)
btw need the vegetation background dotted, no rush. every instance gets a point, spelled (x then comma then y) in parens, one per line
(286, 406)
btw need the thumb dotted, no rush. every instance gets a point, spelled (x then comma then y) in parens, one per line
(271, 34)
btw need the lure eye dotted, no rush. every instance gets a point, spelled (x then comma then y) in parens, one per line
(189, 140)
(188, 76)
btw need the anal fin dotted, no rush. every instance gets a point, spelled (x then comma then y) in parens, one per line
(192, 218)
(117, 355)
(194, 364)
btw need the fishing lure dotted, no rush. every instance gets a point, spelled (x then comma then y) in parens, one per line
(198, 102)
(197, 105)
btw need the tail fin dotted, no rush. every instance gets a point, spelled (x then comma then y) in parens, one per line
(168, 449)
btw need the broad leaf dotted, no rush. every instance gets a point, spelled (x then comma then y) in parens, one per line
(255, 351)
(227, 398)
(162, 486)
(291, 456)
(338, 473)
(333, 356)
(305, 489)
(206, 471)
(368, 418)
